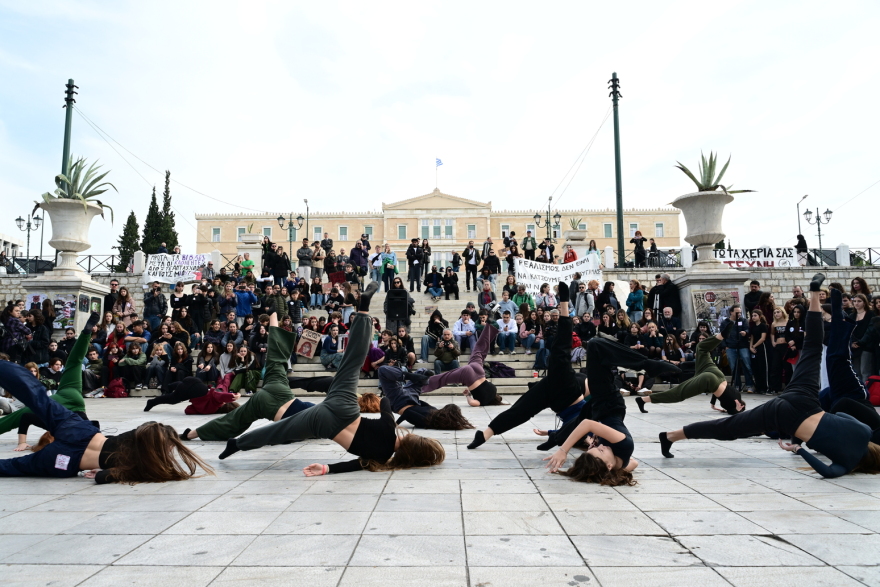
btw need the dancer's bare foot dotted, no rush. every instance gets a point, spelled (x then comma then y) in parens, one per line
(540, 432)
(21, 446)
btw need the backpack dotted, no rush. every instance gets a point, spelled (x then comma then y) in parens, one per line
(872, 385)
(116, 388)
(541, 359)
(501, 370)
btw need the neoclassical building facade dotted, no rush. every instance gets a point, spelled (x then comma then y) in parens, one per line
(448, 221)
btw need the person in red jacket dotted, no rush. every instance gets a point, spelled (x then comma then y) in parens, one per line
(203, 401)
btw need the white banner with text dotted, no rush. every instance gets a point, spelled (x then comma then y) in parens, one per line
(166, 268)
(760, 257)
(533, 274)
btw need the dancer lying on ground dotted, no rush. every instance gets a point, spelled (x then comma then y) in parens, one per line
(707, 378)
(403, 390)
(562, 387)
(69, 393)
(145, 454)
(203, 401)
(271, 402)
(478, 390)
(375, 441)
(367, 402)
(797, 414)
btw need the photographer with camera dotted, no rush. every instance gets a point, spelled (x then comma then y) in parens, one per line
(447, 353)
(155, 305)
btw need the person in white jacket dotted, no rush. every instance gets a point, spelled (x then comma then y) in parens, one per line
(464, 331)
(507, 331)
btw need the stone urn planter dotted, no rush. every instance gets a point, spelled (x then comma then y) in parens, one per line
(70, 229)
(575, 235)
(251, 238)
(702, 214)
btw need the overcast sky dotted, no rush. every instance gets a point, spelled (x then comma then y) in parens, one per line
(262, 104)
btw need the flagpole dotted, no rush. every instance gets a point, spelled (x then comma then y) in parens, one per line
(436, 168)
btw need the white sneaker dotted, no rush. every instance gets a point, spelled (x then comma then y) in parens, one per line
(95, 392)
(624, 392)
(528, 351)
(99, 393)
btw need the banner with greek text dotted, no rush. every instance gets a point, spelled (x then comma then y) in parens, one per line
(532, 273)
(166, 268)
(760, 257)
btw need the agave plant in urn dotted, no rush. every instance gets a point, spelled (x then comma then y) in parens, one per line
(71, 206)
(703, 210)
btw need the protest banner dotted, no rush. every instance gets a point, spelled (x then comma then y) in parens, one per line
(712, 306)
(308, 344)
(759, 257)
(166, 268)
(532, 273)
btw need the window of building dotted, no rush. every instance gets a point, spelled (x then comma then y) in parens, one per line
(425, 228)
(448, 232)
(608, 230)
(401, 232)
(555, 233)
(318, 233)
(658, 229)
(291, 234)
(215, 235)
(532, 228)
(582, 226)
(633, 227)
(241, 230)
(368, 230)
(343, 233)
(436, 231)
(505, 230)
(267, 231)
(472, 231)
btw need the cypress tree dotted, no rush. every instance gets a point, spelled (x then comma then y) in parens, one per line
(168, 231)
(152, 228)
(128, 243)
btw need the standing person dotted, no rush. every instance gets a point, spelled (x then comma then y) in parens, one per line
(375, 261)
(780, 369)
(493, 264)
(179, 300)
(607, 298)
(304, 261)
(737, 345)
(125, 307)
(639, 249)
(456, 261)
(155, 306)
(389, 264)
(410, 308)
(246, 265)
(426, 257)
(635, 301)
(110, 298)
(570, 255)
(759, 335)
(529, 246)
(512, 255)
(374, 441)
(472, 259)
(359, 261)
(37, 349)
(327, 242)
(803, 252)
(487, 246)
(414, 256)
(584, 302)
(862, 361)
(547, 248)
(280, 266)
(753, 296)
(653, 254)
(319, 254)
(365, 242)
(593, 254)
(17, 336)
(798, 414)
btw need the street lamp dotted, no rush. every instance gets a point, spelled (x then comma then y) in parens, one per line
(307, 218)
(289, 228)
(808, 216)
(32, 224)
(799, 213)
(556, 218)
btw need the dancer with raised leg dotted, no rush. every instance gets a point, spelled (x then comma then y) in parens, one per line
(797, 414)
(403, 391)
(203, 401)
(478, 390)
(146, 454)
(562, 387)
(271, 402)
(375, 441)
(707, 378)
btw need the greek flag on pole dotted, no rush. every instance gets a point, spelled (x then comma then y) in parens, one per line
(439, 163)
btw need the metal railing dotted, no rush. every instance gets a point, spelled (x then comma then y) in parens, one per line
(864, 257)
(664, 258)
(88, 263)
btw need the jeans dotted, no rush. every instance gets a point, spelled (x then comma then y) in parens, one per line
(463, 341)
(428, 343)
(375, 273)
(195, 339)
(153, 321)
(346, 312)
(507, 341)
(742, 358)
(435, 292)
(529, 341)
(440, 366)
(316, 300)
(635, 315)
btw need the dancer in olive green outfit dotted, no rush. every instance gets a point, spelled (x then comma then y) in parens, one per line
(69, 392)
(707, 378)
(266, 402)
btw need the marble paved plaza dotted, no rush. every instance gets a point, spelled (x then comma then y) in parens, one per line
(743, 513)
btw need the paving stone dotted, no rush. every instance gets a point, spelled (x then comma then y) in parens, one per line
(279, 576)
(408, 551)
(521, 551)
(658, 577)
(117, 576)
(633, 551)
(297, 551)
(839, 549)
(574, 576)
(508, 523)
(704, 522)
(381, 577)
(747, 551)
(42, 574)
(787, 577)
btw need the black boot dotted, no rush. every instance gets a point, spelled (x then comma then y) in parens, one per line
(93, 320)
(366, 296)
(816, 283)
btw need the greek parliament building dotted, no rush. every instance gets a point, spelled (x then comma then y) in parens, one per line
(449, 222)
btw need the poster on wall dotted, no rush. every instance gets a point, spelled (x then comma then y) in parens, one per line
(713, 305)
(308, 344)
(760, 257)
(35, 301)
(166, 268)
(83, 303)
(65, 310)
(532, 274)
(95, 305)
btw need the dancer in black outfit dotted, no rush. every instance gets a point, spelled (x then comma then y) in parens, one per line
(562, 387)
(404, 389)
(798, 414)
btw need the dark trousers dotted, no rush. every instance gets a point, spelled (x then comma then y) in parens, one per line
(320, 384)
(783, 414)
(843, 379)
(72, 434)
(452, 289)
(470, 271)
(180, 392)
(780, 369)
(388, 278)
(415, 277)
(760, 372)
(133, 374)
(530, 254)
(861, 411)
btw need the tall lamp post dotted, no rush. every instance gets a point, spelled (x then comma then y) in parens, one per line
(799, 213)
(32, 224)
(808, 216)
(614, 86)
(556, 218)
(307, 219)
(290, 228)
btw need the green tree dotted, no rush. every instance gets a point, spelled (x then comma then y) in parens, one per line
(152, 235)
(720, 245)
(168, 231)
(128, 243)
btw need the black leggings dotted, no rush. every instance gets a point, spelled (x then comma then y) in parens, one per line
(417, 415)
(783, 414)
(861, 411)
(180, 392)
(321, 384)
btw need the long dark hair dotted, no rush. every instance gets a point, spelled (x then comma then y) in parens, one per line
(449, 417)
(590, 469)
(412, 451)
